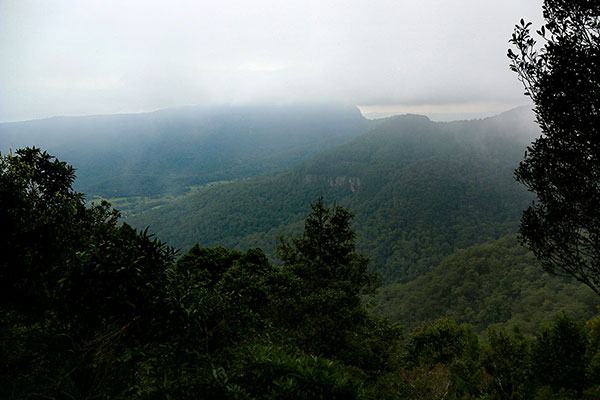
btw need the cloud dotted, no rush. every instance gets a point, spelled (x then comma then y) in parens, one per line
(65, 57)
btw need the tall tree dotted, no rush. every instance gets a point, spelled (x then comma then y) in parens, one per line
(327, 315)
(325, 254)
(562, 167)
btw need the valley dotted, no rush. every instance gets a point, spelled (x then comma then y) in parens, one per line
(274, 200)
(423, 193)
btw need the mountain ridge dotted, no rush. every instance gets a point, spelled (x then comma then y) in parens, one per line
(413, 184)
(173, 149)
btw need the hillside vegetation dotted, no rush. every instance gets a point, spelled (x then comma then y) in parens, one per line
(93, 309)
(498, 282)
(419, 191)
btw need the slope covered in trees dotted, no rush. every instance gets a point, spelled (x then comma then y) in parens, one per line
(419, 191)
(167, 151)
(91, 309)
(498, 282)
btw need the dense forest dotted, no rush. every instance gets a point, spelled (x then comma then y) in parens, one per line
(496, 283)
(94, 309)
(311, 254)
(419, 190)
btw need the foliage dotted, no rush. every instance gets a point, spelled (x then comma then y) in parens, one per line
(113, 315)
(267, 372)
(562, 167)
(559, 356)
(507, 359)
(419, 190)
(446, 346)
(328, 315)
(79, 293)
(498, 282)
(444, 360)
(92, 309)
(325, 254)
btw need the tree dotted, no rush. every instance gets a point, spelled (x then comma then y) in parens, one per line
(562, 167)
(80, 296)
(443, 344)
(91, 308)
(327, 315)
(325, 254)
(559, 356)
(507, 359)
(41, 218)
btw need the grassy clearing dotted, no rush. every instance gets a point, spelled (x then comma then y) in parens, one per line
(134, 205)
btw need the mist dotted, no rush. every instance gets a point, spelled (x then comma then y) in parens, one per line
(102, 57)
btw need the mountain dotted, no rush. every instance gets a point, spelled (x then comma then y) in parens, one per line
(167, 151)
(497, 282)
(420, 190)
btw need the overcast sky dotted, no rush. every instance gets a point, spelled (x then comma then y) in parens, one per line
(437, 57)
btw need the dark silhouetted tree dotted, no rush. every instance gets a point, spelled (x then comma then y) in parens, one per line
(328, 315)
(562, 167)
(79, 294)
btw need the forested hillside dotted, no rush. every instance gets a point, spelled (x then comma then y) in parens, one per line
(299, 252)
(419, 190)
(167, 151)
(90, 308)
(498, 282)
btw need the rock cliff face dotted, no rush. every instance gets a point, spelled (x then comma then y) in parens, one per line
(349, 182)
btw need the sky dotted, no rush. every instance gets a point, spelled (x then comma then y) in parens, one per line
(443, 58)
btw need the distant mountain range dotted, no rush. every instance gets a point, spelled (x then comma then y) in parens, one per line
(165, 152)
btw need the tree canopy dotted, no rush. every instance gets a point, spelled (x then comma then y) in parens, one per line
(93, 309)
(562, 167)
(328, 313)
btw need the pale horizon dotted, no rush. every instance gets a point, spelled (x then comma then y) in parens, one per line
(65, 58)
